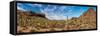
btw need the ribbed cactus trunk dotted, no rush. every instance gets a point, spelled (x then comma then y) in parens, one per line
(67, 20)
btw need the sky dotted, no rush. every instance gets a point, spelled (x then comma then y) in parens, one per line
(54, 12)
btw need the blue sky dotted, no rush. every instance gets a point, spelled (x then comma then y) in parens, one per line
(54, 12)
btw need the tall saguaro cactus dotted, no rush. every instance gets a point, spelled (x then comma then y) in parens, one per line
(66, 20)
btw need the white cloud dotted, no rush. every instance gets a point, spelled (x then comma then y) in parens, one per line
(60, 12)
(38, 5)
(19, 8)
(62, 8)
(56, 17)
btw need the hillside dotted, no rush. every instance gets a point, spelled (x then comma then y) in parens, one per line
(89, 18)
(36, 23)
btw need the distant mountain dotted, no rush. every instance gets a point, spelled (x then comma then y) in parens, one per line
(90, 14)
(30, 13)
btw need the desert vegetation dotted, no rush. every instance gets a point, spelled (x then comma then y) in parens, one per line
(36, 23)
